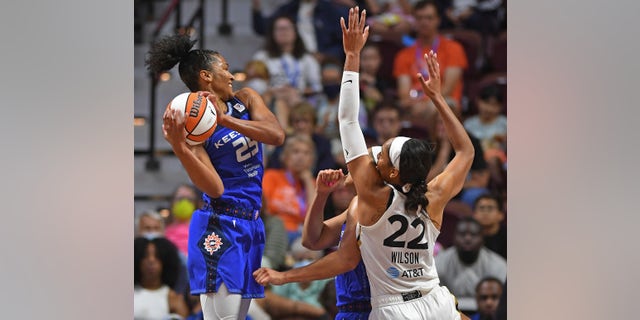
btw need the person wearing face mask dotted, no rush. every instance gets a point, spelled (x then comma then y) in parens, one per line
(149, 224)
(462, 266)
(183, 204)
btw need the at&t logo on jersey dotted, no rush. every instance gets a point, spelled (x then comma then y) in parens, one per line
(393, 272)
(212, 243)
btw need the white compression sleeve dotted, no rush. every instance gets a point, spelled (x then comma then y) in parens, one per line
(353, 144)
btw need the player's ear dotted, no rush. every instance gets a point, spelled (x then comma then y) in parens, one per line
(206, 75)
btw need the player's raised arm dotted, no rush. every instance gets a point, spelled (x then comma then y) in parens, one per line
(450, 181)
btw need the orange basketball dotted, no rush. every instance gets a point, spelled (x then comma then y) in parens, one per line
(200, 116)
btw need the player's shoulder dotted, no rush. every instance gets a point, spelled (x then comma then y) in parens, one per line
(244, 93)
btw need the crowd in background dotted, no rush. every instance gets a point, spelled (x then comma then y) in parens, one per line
(298, 72)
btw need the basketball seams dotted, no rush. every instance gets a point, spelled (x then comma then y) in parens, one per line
(184, 102)
(203, 109)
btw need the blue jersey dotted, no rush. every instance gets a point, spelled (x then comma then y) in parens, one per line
(352, 292)
(238, 161)
(226, 236)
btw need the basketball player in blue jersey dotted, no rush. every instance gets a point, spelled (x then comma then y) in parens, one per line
(399, 213)
(352, 285)
(226, 236)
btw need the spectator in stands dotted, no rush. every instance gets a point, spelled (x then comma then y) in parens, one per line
(293, 72)
(305, 291)
(483, 16)
(490, 126)
(488, 211)
(184, 202)
(277, 241)
(156, 265)
(287, 191)
(149, 224)
(462, 266)
(408, 62)
(303, 120)
(373, 87)
(315, 21)
(389, 19)
(488, 293)
(283, 308)
(386, 122)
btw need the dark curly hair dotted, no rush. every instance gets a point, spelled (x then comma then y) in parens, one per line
(415, 162)
(170, 50)
(166, 252)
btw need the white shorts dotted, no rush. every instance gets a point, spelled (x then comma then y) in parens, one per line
(437, 304)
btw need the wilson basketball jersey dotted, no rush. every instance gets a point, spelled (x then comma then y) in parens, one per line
(238, 161)
(398, 250)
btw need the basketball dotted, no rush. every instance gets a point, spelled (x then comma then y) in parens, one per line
(200, 116)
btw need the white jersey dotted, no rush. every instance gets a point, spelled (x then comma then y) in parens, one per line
(398, 250)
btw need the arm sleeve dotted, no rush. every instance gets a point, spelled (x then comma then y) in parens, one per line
(353, 143)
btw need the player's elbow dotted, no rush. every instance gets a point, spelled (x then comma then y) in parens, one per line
(467, 152)
(279, 137)
(311, 244)
(215, 191)
(350, 261)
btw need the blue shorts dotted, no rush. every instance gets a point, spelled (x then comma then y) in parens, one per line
(356, 310)
(225, 248)
(352, 316)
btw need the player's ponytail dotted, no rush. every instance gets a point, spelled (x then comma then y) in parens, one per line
(415, 163)
(173, 49)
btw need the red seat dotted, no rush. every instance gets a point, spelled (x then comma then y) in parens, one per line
(497, 53)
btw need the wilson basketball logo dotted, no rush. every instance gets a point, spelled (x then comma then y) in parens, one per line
(212, 243)
(195, 107)
(201, 120)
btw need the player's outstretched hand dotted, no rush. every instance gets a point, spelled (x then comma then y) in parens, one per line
(355, 36)
(431, 86)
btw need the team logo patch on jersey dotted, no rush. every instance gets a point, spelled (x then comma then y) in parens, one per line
(212, 243)
(238, 107)
(392, 272)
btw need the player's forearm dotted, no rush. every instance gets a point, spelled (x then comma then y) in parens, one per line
(265, 131)
(314, 221)
(326, 267)
(204, 177)
(458, 136)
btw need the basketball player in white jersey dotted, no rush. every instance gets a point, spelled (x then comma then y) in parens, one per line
(399, 214)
